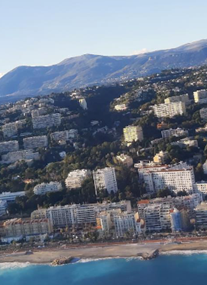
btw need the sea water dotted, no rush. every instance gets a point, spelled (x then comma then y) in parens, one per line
(164, 270)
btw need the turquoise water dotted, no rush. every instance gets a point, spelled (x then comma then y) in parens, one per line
(172, 269)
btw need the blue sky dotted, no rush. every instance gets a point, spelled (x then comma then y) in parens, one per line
(44, 32)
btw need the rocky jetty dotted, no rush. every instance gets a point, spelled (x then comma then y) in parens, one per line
(62, 261)
(150, 255)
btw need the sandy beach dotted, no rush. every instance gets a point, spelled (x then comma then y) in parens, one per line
(46, 256)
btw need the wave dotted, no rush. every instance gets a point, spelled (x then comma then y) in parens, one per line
(184, 252)
(85, 260)
(13, 265)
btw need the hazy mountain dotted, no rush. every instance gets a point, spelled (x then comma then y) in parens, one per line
(91, 69)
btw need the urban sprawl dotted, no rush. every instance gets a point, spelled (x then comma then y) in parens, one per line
(106, 162)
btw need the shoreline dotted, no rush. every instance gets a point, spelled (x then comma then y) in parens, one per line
(90, 253)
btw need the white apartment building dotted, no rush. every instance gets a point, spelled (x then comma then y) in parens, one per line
(184, 202)
(9, 146)
(70, 215)
(146, 166)
(25, 227)
(152, 217)
(9, 130)
(86, 214)
(169, 110)
(104, 221)
(125, 223)
(35, 142)
(11, 196)
(124, 159)
(27, 155)
(46, 121)
(200, 96)
(174, 133)
(64, 135)
(201, 216)
(3, 207)
(76, 178)
(105, 179)
(133, 133)
(180, 98)
(43, 188)
(174, 179)
(203, 114)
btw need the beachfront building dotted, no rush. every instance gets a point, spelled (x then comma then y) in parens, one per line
(174, 133)
(105, 179)
(43, 188)
(200, 96)
(79, 215)
(18, 228)
(71, 215)
(176, 224)
(201, 216)
(169, 110)
(104, 221)
(35, 142)
(185, 204)
(125, 224)
(133, 133)
(152, 217)
(76, 178)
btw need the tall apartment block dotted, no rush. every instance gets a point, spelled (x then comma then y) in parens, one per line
(105, 179)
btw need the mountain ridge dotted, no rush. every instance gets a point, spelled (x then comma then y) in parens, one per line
(91, 69)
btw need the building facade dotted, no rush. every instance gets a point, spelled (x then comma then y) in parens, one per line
(169, 110)
(105, 179)
(76, 178)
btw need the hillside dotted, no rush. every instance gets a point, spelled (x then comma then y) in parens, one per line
(91, 69)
